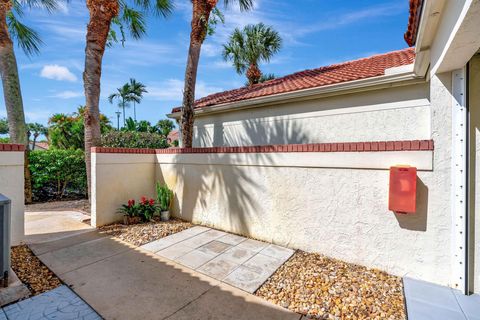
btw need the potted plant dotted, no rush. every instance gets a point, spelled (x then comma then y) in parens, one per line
(164, 200)
(130, 212)
(147, 208)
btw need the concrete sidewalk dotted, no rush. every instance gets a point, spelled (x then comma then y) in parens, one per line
(121, 281)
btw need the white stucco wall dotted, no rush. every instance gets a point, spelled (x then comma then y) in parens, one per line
(399, 113)
(11, 185)
(116, 178)
(342, 213)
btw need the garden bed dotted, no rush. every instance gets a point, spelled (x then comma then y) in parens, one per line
(32, 272)
(143, 233)
(81, 205)
(325, 288)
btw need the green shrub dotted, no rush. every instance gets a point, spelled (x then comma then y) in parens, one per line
(58, 173)
(128, 139)
(164, 196)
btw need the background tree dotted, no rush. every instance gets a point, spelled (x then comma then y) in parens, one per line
(66, 131)
(36, 130)
(137, 89)
(105, 16)
(201, 11)
(164, 127)
(248, 47)
(3, 126)
(29, 41)
(124, 97)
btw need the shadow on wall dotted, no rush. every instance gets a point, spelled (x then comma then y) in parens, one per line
(229, 191)
(252, 132)
(416, 221)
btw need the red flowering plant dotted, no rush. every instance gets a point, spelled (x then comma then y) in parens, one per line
(147, 208)
(131, 209)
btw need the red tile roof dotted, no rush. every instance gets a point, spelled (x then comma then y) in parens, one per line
(172, 136)
(410, 35)
(343, 72)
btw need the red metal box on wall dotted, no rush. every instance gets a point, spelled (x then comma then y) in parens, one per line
(402, 196)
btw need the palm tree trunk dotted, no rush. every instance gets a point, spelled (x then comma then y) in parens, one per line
(17, 127)
(200, 16)
(134, 112)
(123, 108)
(253, 74)
(101, 14)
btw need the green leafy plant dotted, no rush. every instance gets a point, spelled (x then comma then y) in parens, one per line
(131, 209)
(164, 197)
(129, 139)
(147, 208)
(57, 173)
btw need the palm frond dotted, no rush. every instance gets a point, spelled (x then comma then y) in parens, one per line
(27, 38)
(244, 5)
(49, 5)
(135, 22)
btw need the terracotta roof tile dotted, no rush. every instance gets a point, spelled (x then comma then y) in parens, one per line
(410, 35)
(348, 71)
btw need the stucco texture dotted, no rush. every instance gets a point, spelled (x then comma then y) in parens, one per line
(116, 178)
(11, 185)
(399, 113)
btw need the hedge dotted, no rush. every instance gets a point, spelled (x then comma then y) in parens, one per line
(129, 139)
(58, 174)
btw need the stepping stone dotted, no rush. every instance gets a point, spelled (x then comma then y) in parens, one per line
(218, 268)
(254, 245)
(2, 315)
(203, 238)
(238, 254)
(195, 259)
(246, 278)
(278, 252)
(214, 247)
(264, 264)
(175, 251)
(232, 239)
(59, 303)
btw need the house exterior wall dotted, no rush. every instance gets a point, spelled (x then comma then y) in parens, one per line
(331, 203)
(399, 113)
(116, 178)
(11, 185)
(474, 231)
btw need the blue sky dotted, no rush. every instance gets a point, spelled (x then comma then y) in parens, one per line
(315, 33)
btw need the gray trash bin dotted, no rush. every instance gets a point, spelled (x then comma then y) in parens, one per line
(4, 240)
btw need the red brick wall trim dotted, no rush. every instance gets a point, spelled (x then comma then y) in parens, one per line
(11, 147)
(375, 146)
(122, 150)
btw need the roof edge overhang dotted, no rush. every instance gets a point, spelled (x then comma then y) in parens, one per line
(367, 84)
(427, 29)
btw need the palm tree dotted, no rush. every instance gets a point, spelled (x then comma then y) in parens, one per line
(36, 129)
(201, 10)
(29, 41)
(124, 96)
(248, 47)
(104, 14)
(137, 89)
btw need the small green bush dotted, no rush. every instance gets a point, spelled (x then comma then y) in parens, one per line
(128, 139)
(57, 174)
(164, 196)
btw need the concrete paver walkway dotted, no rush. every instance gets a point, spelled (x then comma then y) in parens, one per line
(54, 225)
(60, 303)
(121, 281)
(241, 262)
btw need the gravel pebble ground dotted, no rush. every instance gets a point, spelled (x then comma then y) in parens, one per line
(325, 288)
(143, 233)
(32, 272)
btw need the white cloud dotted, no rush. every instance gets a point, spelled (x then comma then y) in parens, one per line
(56, 72)
(172, 90)
(67, 94)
